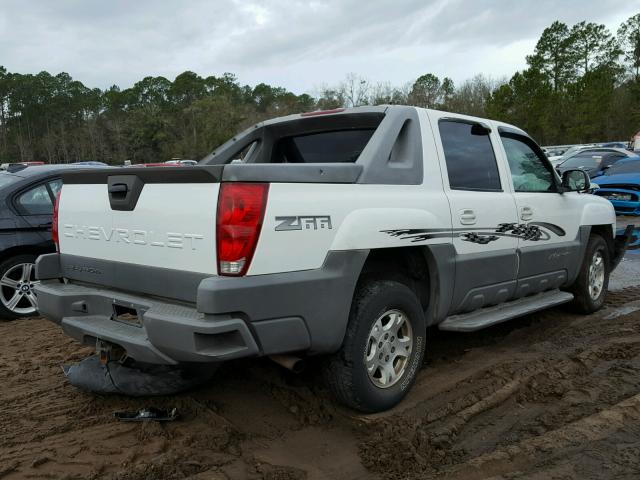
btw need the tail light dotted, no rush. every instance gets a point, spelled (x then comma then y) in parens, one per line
(241, 209)
(54, 222)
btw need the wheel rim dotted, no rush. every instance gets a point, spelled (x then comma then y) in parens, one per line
(596, 275)
(16, 289)
(388, 349)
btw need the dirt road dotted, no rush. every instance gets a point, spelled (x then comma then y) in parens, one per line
(552, 395)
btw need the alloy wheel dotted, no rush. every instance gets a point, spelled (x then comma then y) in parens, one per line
(16, 289)
(596, 275)
(388, 348)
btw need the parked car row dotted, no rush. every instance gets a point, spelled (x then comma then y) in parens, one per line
(614, 170)
(595, 160)
(559, 154)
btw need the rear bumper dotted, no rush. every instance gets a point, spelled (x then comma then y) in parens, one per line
(231, 318)
(169, 333)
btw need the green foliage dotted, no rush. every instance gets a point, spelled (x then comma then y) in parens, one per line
(57, 119)
(581, 84)
(553, 55)
(629, 40)
(575, 88)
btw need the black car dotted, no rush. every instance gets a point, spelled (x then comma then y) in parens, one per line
(26, 207)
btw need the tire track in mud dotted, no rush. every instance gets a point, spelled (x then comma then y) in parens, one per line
(234, 428)
(549, 394)
(560, 391)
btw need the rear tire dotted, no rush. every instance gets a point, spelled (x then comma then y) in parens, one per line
(590, 287)
(382, 350)
(17, 279)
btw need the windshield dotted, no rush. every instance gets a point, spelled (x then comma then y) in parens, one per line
(588, 161)
(624, 167)
(571, 151)
(7, 178)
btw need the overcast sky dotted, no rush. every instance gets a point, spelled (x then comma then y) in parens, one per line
(300, 45)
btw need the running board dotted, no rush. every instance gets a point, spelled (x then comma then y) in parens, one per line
(486, 317)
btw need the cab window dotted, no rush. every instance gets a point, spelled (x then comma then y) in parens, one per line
(468, 153)
(529, 171)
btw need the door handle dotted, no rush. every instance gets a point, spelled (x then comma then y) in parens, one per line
(526, 213)
(45, 225)
(467, 216)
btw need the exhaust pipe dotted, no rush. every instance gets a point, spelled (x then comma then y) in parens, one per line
(295, 364)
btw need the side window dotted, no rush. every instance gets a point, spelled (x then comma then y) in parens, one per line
(528, 170)
(471, 162)
(244, 155)
(35, 201)
(55, 186)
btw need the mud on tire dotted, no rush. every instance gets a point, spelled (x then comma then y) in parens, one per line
(590, 287)
(371, 372)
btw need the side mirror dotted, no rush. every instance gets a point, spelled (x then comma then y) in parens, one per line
(575, 181)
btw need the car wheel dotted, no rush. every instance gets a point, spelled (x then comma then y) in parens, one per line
(591, 286)
(382, 350)
(17, 280)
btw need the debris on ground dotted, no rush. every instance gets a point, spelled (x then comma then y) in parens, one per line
(148, 414)
(134, 378)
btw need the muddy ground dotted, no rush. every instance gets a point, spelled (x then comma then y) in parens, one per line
(551, 395)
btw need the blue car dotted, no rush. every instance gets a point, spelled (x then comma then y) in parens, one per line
(620, 184)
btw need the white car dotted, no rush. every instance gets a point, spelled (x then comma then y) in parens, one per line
(343, 233)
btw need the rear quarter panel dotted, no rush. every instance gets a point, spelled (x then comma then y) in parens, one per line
(359, 216)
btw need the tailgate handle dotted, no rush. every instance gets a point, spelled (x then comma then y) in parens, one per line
(118, 189)
(124, 191)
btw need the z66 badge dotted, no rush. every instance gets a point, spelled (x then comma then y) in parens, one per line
(306, 222)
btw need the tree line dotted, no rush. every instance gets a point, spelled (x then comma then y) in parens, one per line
(581, 84)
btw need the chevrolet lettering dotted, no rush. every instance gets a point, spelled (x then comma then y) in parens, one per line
(134, 236)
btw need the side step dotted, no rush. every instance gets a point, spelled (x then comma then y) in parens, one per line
(486, 317)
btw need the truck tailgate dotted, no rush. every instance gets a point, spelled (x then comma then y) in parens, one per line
(161, 218)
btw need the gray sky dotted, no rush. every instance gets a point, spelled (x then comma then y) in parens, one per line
(300, 45)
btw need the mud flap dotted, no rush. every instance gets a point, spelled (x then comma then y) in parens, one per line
(135, 379)
(620, 245)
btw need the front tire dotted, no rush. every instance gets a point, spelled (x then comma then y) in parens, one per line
(591, 286)
(17, 279)
(382, 350)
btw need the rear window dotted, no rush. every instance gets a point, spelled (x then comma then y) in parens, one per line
(590, 160)
(343, 146)
(7, 179)
(339, 138)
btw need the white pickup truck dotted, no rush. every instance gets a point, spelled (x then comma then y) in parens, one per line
(345, 233)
